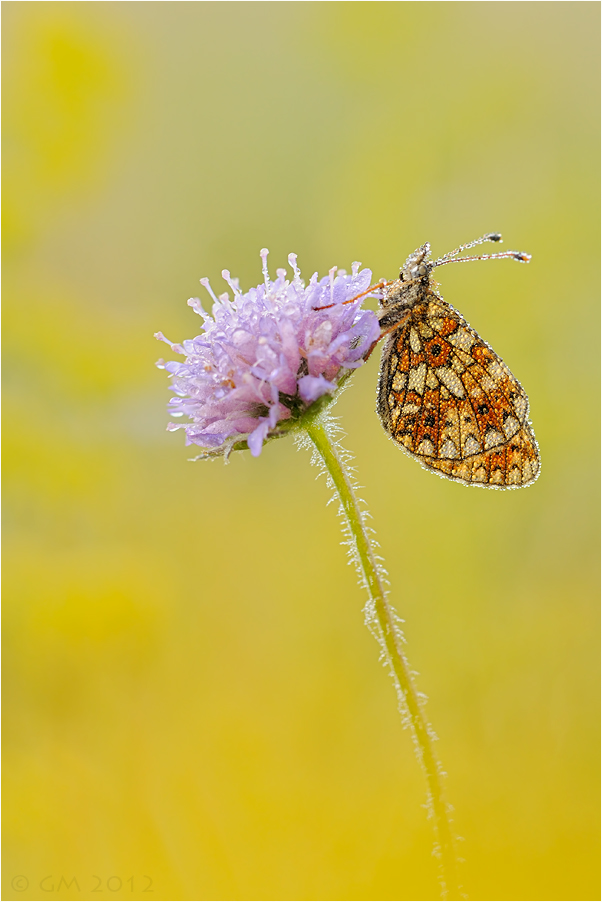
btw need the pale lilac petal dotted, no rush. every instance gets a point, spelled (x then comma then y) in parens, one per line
(313, 387)
(257, 437)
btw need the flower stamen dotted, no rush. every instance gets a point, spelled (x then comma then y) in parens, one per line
(206, 284)
(233, 283)
(263, 253)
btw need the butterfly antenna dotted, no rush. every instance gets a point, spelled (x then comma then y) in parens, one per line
(452, 257)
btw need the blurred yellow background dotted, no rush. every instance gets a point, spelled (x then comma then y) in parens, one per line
(190, 693)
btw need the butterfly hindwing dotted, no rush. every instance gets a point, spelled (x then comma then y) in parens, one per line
(450, 402)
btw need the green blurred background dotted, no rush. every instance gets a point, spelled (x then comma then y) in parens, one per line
(190, 691)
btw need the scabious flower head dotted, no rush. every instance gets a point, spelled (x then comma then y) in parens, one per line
(266, 356)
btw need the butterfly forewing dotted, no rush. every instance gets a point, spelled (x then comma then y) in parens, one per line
(449, 401)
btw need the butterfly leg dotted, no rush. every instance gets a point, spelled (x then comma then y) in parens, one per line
(397, 325)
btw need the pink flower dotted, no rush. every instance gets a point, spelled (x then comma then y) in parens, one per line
(267, 355)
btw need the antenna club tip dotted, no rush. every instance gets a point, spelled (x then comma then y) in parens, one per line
(493, 236)
(522, 258)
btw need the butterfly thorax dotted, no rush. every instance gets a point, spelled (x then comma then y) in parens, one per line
(403, 300)
(409, 291)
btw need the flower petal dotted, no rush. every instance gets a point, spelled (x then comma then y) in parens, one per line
(257, 437)
(313, 387)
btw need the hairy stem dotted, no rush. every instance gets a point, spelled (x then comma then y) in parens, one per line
(384, 623)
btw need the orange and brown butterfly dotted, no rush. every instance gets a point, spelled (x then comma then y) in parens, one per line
(444, 396)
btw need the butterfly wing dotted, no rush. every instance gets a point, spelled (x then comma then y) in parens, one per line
(450, 402)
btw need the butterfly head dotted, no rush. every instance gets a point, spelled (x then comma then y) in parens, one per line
(409, 289)
(417, 265)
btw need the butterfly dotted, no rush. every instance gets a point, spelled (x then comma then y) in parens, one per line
(444, 395)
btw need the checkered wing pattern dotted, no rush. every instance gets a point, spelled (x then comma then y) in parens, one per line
(450, 402)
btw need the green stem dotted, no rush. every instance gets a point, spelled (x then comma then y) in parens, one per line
(391, 639)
